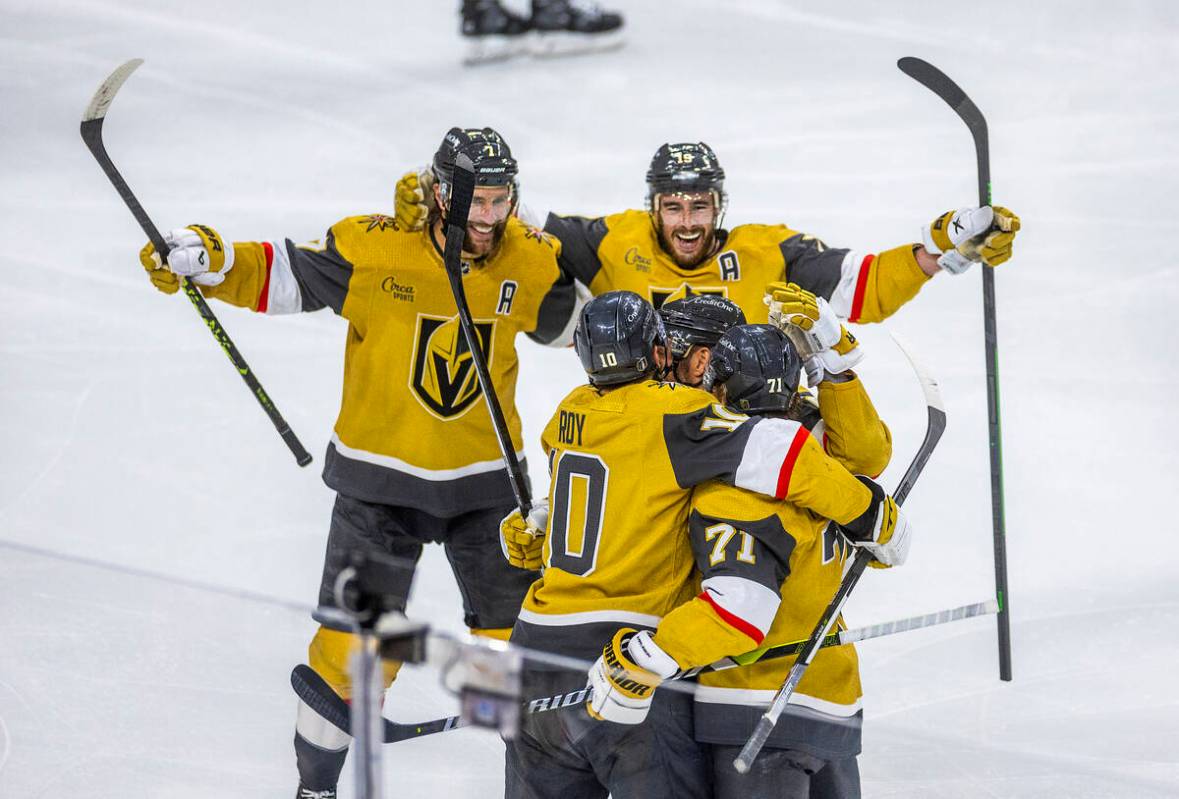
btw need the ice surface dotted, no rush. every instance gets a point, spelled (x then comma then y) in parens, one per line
(128, 438)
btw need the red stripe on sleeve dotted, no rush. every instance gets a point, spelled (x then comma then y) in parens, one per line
(861, 288)
(788, 464)
(736, 622)
(264, 297)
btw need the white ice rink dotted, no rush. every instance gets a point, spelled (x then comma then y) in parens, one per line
(128, 439)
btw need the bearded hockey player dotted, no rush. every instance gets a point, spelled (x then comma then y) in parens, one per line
(624, 452)
(414, 457)
(678, 246)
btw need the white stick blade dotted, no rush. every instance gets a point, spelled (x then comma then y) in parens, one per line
(106, 92)
(929, 386)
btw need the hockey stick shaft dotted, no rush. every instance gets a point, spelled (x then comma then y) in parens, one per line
(462, 190)
(940, 84)
(935, 426)
(92, 136)
(312, 690)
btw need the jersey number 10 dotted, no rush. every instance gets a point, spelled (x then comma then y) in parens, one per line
(579, 502)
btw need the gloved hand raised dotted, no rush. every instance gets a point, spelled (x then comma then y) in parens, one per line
(196, 251)
(415, 198)
(968, 235)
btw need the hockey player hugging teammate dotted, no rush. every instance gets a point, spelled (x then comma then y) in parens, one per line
(410, 388)
(625, 452)
(678, 246)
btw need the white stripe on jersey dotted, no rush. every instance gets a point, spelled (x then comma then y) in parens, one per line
(588, 617)
(398, 465)
(845, 290)
(283, 295)
(751, 602)
(765, 451)
(763, 698)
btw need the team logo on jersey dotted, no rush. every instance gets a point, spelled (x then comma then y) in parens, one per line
(661, 295)
(378, 222)
(536, 234)
(444, 378)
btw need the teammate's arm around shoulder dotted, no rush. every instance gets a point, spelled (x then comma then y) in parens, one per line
(853, 432)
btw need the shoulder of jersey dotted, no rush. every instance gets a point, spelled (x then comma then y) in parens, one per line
(629, 221)
(759, 234)
(676, 397)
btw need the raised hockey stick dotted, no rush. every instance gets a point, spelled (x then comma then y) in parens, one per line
(462, 189)
(92, 134)
(311, 688)
(934, 428)
(937, 82)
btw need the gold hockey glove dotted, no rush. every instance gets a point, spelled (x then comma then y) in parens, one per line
(882, 529)
(522, 540)
(625, 677)
(196, 251)
(807, 320)
(968, 235)
(415, 198)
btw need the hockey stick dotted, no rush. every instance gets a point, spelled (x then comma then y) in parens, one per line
(936, 81)
(312, 689)
(92, 134)
(462, 190)
(934, 428)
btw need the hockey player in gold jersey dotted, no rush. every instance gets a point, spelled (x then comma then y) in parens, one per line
(410, 388)
(678, 245)
(624, 453)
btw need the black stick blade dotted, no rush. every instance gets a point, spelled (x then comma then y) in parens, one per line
(951, 93)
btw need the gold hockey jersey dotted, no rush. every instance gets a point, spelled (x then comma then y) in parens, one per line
(622, 251)
(623, 462)
(410, 387)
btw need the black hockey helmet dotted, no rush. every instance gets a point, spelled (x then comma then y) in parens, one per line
(685, 167)
(615, 338)
(759, 368)
(698, 319)
(490, 154)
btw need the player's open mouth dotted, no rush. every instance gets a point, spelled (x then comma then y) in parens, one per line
(688, 241)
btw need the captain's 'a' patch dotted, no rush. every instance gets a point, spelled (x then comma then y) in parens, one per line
(444, 378)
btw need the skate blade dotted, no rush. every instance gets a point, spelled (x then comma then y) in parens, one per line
(490, 49)
(556, 44)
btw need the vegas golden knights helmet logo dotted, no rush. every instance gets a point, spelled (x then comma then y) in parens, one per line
(444, 377)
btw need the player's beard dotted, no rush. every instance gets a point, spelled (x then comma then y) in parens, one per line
(484, 249)
(707, 243)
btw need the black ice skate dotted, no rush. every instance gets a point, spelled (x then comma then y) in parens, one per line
(491, 32)
(307, 793)
(566, 27)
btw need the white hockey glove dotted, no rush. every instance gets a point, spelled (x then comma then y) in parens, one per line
(882, 529)
(836, 360)
(196, 251)
(522, 540)
(808, 321)
(969, 235)
(625, 677)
